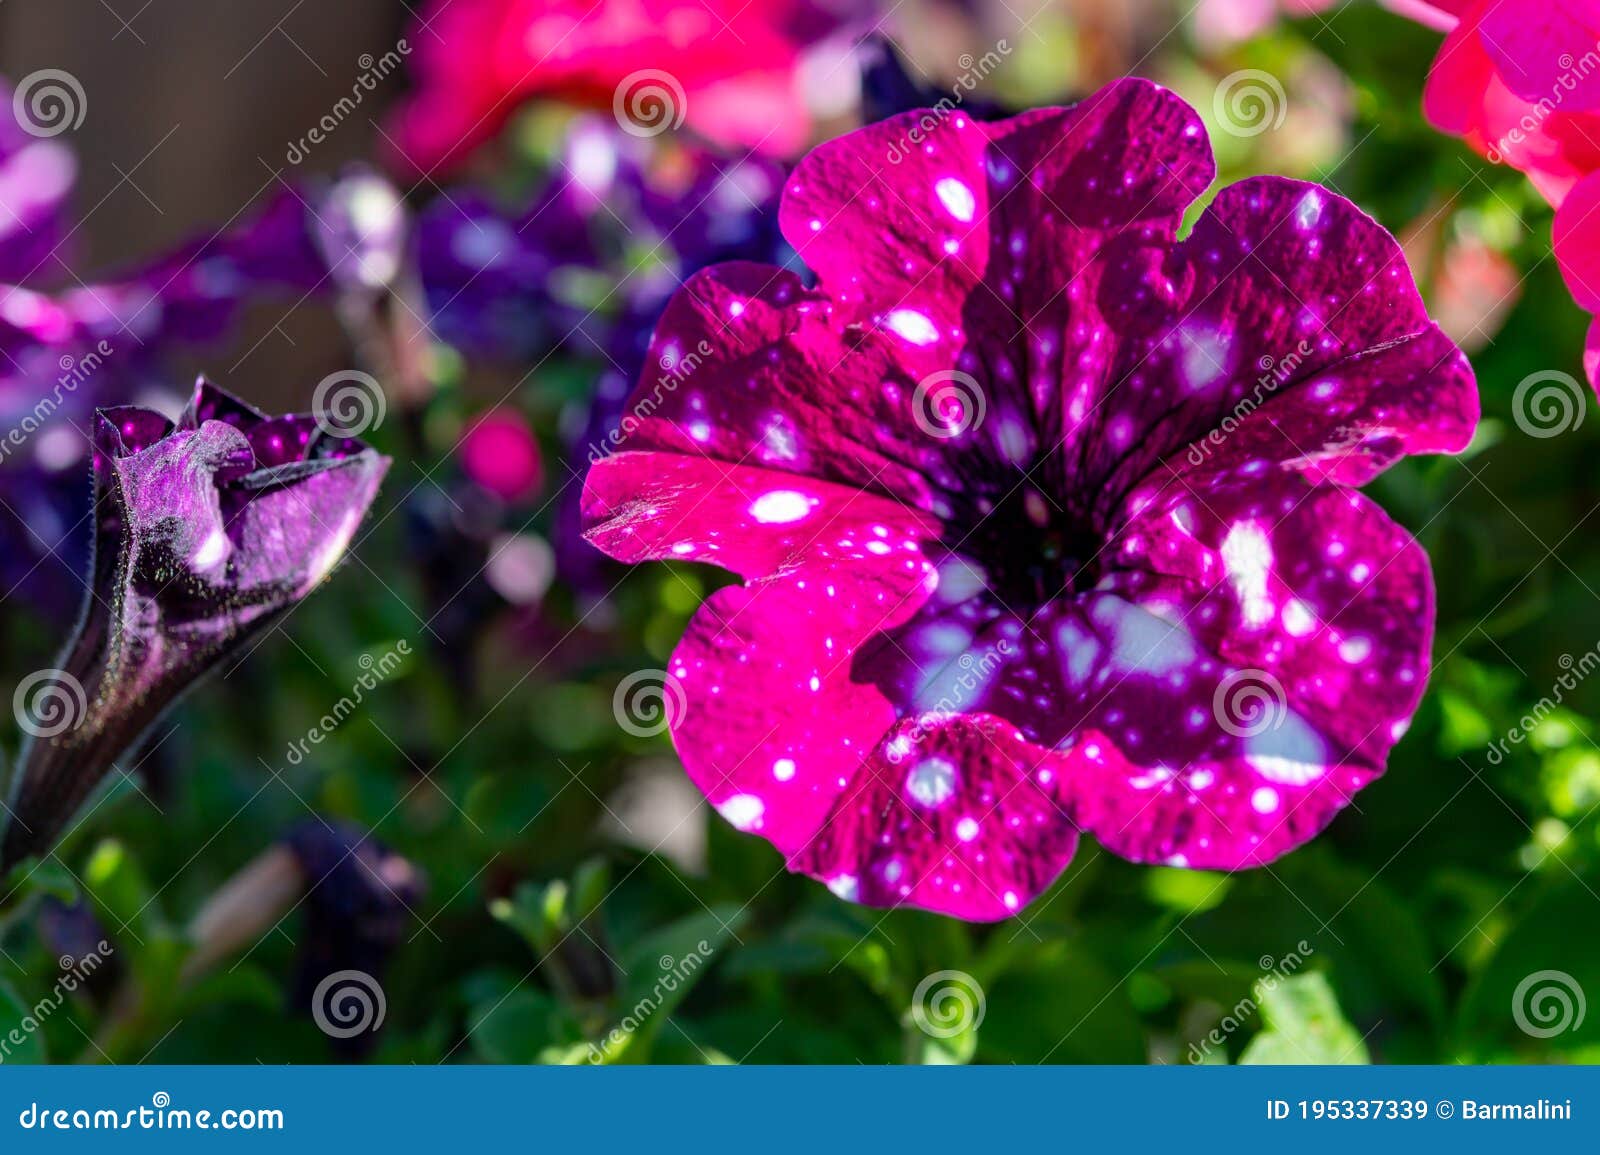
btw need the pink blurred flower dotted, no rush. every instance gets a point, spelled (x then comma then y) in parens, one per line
(501, 454)
(728, 69)
(1218, 23)
(1521, 84)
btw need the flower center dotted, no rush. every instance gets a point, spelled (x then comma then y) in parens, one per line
(1030, 549)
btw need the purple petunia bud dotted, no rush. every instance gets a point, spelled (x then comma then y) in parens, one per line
(205, 534)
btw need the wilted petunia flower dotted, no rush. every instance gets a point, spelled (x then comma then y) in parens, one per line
(1045, 517)
(206, 533)
(64, 354)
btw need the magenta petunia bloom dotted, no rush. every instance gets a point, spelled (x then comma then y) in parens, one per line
(1047, 520)
(206, 532)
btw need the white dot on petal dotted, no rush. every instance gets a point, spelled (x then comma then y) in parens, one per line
(744, 811)
(845, 886)
(1355, 650)
(913, 326)
(957, 198)
(211, 551)
(783, 769)
(780, 507)
(967, 829)
(931, 781)
(1264, 800)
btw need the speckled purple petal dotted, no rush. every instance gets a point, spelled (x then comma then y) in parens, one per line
(955, 813)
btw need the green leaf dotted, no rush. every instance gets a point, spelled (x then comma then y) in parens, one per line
(661, 969)
(1061, 1006)
(39, 876)
(15, 1017)
(1531, 998)
(526, 1026)
(1304, 1025)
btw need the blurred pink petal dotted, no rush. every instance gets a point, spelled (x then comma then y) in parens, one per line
(727, 69)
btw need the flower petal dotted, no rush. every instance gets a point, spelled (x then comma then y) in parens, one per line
(955, 814)
(1540, 50)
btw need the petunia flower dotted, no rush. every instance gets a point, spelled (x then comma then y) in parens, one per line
(206, 533)
(1521, 84)
(1047, 520)
(64, 354)
(727, 69)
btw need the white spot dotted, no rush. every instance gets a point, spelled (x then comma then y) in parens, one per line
(1079, 651)
(1264, 800)
(967, 829)
(1144, 643)
(1247, 558)
(780, 507)
(1291, 753)
(959, 580)
(1010, 899)
(1355, 650)
(744, 811)
(931, 782)
(211, 551)
(845, 886)
(780, 441)
(1298, 618)
(783, 769)
(1309, 211)
(912, 326)
(957, 198)
(1205, 355)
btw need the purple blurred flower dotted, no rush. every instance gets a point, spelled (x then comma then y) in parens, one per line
(36, 177)
(359, 898)
(205, 533)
